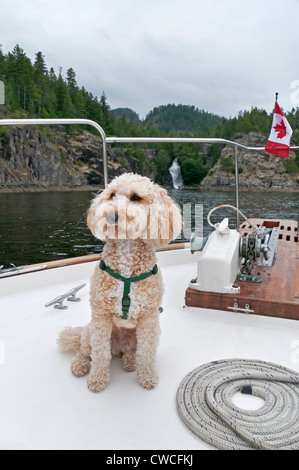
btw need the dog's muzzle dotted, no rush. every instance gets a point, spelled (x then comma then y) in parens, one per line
(112, 218)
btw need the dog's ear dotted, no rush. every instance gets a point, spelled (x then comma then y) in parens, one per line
(173, 221)
(91, 220)
(165, 220)
(91, 215)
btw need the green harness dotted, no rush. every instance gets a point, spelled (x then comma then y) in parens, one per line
(126, 301)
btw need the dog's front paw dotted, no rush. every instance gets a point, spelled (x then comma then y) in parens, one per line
(97, 383)
(80, 366)
(148, 379)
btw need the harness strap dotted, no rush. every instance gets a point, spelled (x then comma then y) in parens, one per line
(126, 301)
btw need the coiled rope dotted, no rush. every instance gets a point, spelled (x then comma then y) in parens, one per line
(204, 401)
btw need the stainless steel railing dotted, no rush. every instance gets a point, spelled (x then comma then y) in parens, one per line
(112, 140)
(59, 122)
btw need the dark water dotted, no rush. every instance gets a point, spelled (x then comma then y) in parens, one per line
(39, 227)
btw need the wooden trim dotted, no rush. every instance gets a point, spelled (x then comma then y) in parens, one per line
(256, 306)
(80, 260)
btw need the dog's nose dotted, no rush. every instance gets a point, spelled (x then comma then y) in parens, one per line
(112, 218)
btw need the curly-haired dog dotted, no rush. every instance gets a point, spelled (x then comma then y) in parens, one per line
(133, 216)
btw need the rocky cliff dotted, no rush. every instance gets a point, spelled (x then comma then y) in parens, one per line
(48, 158)
(257, 170)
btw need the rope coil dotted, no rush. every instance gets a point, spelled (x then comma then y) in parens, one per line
(204, 401)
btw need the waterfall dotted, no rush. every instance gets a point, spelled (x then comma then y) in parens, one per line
(175, 171)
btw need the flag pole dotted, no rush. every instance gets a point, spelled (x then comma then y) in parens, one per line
(276, 96)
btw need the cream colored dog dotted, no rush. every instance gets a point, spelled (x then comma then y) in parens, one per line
(133, 216)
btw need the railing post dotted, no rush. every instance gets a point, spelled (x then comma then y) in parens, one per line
(237, 186)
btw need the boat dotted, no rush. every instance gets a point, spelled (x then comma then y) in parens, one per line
(251, 313)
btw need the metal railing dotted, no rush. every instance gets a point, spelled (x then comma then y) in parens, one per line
(113, 140)
(62, 122)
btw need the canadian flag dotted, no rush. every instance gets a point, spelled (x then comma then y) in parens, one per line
(280, 135)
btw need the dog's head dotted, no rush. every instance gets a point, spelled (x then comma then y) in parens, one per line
(132, 207)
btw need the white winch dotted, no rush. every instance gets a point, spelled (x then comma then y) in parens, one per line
(226, 256)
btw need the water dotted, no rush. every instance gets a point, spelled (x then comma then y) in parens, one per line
(39, 227)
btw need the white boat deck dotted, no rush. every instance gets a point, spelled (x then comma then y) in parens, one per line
(43, 406)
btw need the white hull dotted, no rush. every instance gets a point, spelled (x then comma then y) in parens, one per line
(43, 406)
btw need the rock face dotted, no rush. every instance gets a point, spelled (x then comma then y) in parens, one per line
(31, 158)
(48, 158)
(257, 170)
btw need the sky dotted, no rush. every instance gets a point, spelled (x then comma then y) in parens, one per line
(223, 56)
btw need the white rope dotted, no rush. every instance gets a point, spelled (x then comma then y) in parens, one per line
(204, 401)
(231, 207)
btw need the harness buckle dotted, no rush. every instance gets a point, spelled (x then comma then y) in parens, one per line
(126, 302)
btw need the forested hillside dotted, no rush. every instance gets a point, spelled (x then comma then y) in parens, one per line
(32, 89)
(182, 118)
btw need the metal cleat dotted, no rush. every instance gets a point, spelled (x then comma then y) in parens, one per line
(70, 296)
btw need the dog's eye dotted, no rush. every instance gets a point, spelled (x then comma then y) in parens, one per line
(112, 195)
(135, 197)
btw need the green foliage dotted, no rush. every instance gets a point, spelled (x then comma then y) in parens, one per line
(193, 170)
(128, 113)
(256, 120)
(182, 118)
(162, 162)
(227, 164)
(31, 88)
(291, 166)
(214, 152)
(34, 90)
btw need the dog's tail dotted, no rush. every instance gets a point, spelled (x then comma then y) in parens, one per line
(69, 339)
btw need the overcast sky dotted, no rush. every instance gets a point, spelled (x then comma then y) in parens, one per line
(219, 55)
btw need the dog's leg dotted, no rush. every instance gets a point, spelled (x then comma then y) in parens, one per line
(129, 361)
(124, 342)
(100, 340)
(148, 332)
(81, 363)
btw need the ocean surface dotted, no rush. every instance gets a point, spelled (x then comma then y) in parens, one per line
(39, 227)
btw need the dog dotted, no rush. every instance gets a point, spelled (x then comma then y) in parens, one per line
(134, 217)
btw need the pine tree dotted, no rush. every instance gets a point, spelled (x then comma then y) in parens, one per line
(20, 72)
(2, 64)
(63, 101)
(108, 121)
(40, 66)
(71, 78)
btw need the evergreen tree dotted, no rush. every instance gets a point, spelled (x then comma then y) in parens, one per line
(2, 64)
(40, 68)
(107, 117)
(20, 75)
(71, 78)
(34, 88)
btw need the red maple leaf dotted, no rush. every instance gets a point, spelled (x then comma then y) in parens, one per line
(280, 129)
